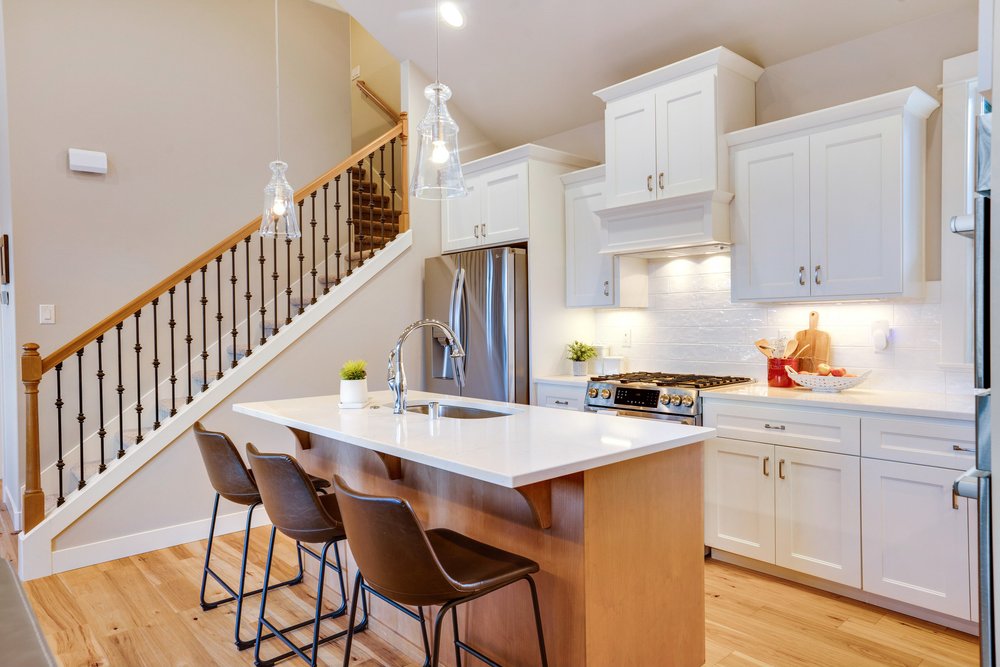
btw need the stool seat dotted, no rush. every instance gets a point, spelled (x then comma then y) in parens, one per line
(476, 566)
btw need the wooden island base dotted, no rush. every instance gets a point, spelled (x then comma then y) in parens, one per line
(622, 567)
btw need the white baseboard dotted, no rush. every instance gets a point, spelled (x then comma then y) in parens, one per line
(13, 508)
(151, 540)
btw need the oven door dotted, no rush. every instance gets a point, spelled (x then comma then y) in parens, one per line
(687, 420)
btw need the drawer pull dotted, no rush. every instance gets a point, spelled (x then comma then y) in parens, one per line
(970, 450)
(781, 469)
(649, 182)
(779, 427)
(558, 402)
(767, 473)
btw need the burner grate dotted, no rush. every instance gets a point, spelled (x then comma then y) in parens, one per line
(692, 380)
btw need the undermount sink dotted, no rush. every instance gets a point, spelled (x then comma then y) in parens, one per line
(456, 411)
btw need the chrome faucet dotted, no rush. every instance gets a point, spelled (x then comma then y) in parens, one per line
(397, 374)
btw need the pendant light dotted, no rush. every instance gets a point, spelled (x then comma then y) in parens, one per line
(279, 218)
(438, 174)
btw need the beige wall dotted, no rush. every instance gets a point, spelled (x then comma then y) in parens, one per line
(380, 72)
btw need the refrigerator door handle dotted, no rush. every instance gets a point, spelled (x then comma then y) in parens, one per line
(458, 325)
(967, 486)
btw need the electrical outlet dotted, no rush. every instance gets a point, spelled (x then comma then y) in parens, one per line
(627, 338)
(356, 73)
(46, 314)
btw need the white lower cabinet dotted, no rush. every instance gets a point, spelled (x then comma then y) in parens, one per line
(558, 395)
(796, 508)
(916, 546)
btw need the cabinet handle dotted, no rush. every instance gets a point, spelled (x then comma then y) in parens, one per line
(767, 473)
(649, 182)
(660, 180)
(802, 275)
(483, 230)
(816, 275)
(475, 231)
(557, 402)
(957, 448)
(954, 498)
(607, 289)
(779, 427)
(781, 469)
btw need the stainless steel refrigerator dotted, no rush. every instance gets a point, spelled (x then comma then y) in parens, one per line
(976, 482)
(483, 296)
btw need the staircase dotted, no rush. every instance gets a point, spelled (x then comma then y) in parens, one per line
(104, 404)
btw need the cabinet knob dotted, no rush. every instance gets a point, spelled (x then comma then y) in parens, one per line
(802, 275)
(816, 275)
(607, 289)
(649, 182)
(660, 180)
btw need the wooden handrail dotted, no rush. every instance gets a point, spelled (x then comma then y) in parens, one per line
(129, 309)
(382, 105)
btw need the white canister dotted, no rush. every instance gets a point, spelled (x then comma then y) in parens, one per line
(353, 392)
(612, 365)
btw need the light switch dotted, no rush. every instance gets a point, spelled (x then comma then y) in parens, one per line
(94, 162)
(356, 73)
(46, 314)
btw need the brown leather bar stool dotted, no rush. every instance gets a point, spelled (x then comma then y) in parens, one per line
(298, 512)
(398, 559)
(232, 481)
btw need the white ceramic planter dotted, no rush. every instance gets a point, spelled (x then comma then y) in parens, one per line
(579, 368)
(353, 392)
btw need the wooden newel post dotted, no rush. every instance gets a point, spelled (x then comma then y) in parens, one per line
(404, 218)
(34, 498)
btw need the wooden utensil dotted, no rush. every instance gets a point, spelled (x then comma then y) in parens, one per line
(818, 341)
(800, 351)
(790, 348)
(764, 348)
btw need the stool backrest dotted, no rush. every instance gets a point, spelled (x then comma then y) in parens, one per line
(226, 470)
(290, 498)
(391, 549)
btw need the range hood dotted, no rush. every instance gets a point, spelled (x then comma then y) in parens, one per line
(692, 224)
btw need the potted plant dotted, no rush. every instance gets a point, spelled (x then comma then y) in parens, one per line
(354, 383)
(580, 353)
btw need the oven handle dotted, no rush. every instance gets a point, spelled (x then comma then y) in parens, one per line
(636, 414)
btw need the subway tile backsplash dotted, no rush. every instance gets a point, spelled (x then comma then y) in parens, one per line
(692, 326)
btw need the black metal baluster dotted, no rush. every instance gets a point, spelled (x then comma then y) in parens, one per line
(138, 380)
(218, 314)
(263, 297)
(301, 258)
(248, 295)
(60, 464)
(156, 367)
(336, 229)
(232, 281)
(172, 323)
(312, 223)
(371, 206)
(121, 394)
(274, 278)
(392, 185)
(355, 207)
(288, 277)
(189, 338)
(80, 417)
(101, 432)
(204, 328)
(381, 178)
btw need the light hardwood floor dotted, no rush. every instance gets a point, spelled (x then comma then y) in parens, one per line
(144, 610)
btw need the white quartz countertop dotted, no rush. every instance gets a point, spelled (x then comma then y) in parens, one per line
(942, 406)
(530, 444)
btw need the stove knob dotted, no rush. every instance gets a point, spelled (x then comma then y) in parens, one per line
(605, 393)
(687, 401)
(592, 392)
(675, 399)
(665, 399)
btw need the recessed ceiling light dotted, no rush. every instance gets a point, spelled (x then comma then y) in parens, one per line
(452, 15)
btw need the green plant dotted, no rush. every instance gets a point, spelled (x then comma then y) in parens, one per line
(354, 370)
(578, 351)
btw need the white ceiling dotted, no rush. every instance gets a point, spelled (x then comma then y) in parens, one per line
(525, 69)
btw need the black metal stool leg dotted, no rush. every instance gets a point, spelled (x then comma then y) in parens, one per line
(423, 635)
(263, 598)
(538, 621)
(350, 620)
(208, 555)
(319, 600)
(454, 627)
(242, 644)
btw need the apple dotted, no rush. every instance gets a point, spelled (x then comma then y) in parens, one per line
(823, 369)
(838, 372)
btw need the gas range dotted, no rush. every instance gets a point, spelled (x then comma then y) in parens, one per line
(670, 396)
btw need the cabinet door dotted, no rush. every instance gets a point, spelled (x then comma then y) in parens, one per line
(914, 545)
(505, 204)
(818, 514)
(856, 216)
(771, 221)
(630, 146)
(686, 136)
(461, 218)
(589, 274)
(739, 497)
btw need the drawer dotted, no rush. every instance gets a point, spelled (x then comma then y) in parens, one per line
(923, 441)
(806, 429)
(564, 397)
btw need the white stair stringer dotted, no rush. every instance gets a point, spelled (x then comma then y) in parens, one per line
(35, 547)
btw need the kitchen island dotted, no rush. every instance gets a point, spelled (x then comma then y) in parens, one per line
(611, 509)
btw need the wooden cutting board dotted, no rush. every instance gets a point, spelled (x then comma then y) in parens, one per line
(818, 341)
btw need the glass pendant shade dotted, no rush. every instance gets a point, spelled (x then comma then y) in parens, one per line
(279, 218)
(438, 174)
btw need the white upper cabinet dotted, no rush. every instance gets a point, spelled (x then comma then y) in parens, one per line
(829, 205)
(497, 209)
(667, 166)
